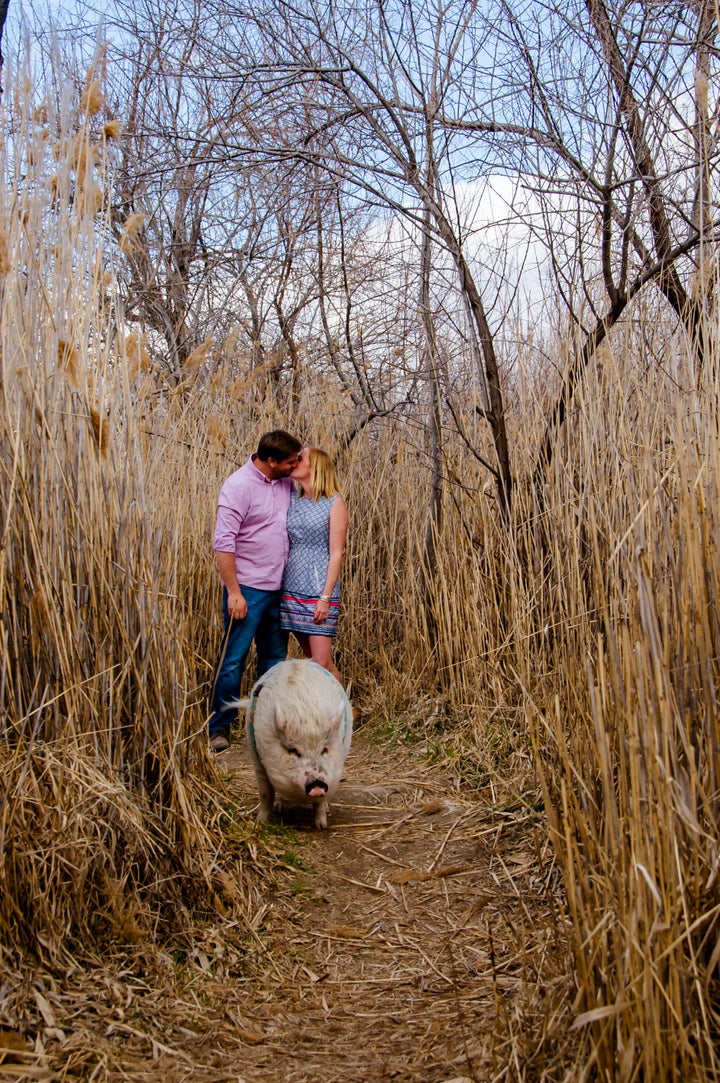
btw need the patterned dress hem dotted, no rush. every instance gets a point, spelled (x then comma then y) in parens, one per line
(296, 615)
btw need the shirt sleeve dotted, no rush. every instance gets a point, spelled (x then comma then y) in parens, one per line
(233, 505)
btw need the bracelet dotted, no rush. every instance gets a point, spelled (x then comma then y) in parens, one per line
(324, 598)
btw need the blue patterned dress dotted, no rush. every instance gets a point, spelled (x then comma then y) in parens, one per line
(308, 525)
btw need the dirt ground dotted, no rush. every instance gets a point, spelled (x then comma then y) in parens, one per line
(418, 939)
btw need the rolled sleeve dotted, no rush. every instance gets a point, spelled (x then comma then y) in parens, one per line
(227, 528)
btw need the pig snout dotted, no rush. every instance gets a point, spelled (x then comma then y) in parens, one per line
(316, 787)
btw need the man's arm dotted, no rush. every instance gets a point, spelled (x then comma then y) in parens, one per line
(237, 606)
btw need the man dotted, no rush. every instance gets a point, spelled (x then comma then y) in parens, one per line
(251, 550)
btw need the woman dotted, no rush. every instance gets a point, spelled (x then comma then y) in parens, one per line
(317, 523)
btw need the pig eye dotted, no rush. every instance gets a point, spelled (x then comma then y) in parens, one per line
(293, 752)
(325, 750)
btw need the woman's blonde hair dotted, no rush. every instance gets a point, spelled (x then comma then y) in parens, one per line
(323, 479)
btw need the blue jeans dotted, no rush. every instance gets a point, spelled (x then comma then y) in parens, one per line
(262, 623)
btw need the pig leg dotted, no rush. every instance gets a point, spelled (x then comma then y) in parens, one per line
(266, 791)
(321, 814)
(267, 795)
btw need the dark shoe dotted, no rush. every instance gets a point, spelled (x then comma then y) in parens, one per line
(220, 741)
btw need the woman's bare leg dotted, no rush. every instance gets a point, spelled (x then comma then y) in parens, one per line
(319, 648)
(321, 652)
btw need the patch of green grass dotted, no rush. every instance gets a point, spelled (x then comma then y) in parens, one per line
(279, 832)
(284, 844)
(290, 857)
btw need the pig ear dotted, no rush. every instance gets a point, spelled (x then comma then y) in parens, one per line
(280, 723)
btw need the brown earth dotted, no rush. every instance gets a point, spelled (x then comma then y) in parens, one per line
(418, 939)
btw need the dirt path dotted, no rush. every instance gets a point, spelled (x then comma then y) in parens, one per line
(404, 945)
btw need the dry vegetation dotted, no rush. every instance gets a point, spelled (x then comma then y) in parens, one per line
(574, 655)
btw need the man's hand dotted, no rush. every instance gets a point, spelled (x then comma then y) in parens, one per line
(237, 606)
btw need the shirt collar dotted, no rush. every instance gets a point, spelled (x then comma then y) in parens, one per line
(259, 473)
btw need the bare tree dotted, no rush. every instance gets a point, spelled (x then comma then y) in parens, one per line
(637, 123)
(600, 123)
(171, 206)
(591, 110)
(364, 95)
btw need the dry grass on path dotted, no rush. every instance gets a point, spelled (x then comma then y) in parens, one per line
(414, 941)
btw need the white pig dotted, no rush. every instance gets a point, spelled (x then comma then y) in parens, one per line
(299, 728)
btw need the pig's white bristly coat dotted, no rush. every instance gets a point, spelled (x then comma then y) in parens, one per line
(299, 727)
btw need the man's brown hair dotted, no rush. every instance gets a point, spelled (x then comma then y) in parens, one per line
(278, 445)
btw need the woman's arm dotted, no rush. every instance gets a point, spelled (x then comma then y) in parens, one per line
(338, 535)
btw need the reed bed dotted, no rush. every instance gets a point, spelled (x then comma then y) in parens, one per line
(572, 654)
(109, 814)
(629, 750)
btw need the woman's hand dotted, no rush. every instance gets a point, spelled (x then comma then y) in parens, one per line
(322, 608)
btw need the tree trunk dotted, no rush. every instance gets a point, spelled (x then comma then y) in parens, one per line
(429, 561)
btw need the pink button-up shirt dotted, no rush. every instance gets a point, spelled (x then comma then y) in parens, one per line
(252, 524)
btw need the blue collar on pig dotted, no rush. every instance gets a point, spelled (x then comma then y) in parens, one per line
(258, 689)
